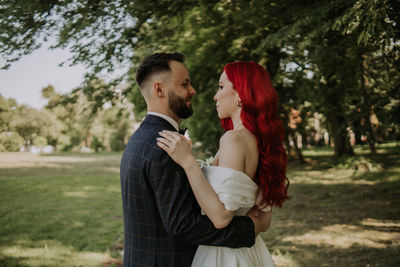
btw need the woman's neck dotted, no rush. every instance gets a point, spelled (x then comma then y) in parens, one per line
(237, 125)
(237, 122)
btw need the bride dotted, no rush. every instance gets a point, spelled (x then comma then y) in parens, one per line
(250, 166)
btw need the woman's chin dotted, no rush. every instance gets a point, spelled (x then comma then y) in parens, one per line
(222, 116)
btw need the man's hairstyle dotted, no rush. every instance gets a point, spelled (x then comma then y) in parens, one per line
(156, 63)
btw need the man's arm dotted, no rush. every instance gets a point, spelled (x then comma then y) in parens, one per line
(261, 219)
(177, 207)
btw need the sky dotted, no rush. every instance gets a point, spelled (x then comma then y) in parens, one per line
(25, 78)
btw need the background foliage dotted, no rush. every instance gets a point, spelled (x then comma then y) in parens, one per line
(339, 58)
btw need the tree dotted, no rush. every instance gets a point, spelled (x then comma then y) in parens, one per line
(30, 123)
(333, 44)
(75, 113)
(84, 124)
(7, 107)
(10, 141)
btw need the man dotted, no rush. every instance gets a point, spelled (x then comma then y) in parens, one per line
(162, 220)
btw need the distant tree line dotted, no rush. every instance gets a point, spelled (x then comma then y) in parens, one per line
(337, 58)
(67, 123)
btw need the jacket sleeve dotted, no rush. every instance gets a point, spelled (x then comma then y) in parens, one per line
(180, 213)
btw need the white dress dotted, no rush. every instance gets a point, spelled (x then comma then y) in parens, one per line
(238, 193)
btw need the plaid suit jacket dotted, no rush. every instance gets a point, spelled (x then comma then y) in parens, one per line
(162, 221)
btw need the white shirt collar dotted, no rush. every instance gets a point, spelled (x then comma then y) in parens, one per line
(169, 119)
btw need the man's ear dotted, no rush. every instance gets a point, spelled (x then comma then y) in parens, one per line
(158, 89)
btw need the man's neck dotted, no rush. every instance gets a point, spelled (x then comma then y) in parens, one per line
(162, 109)
(172, 121)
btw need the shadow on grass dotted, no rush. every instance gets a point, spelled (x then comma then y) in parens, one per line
(321, 158)
(337, 225)
(338, 217)
(12, 261)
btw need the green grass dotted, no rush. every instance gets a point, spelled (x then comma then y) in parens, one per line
(65, 209)
(342, 212)
(59, 210)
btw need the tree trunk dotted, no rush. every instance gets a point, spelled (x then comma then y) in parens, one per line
(337, 124)
(334, 104)
(365, 86)
(299, 154)
(291, 133)
(272, 66)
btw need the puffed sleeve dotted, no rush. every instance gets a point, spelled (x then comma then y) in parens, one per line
(234, 188)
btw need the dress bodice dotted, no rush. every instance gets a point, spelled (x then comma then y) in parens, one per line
(238, 193)
(234, 188)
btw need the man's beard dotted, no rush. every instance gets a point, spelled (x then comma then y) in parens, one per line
(178, 105)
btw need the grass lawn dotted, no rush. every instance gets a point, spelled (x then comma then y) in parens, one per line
(59, 210)
(65, 210)
(341, 213)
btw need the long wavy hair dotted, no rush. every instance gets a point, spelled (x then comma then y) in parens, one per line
(259, 115)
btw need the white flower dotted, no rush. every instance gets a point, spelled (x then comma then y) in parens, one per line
(207, 162)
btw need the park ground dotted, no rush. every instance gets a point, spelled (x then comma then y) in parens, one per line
(64, 209)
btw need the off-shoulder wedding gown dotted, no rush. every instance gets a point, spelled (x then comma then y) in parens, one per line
(238, 193)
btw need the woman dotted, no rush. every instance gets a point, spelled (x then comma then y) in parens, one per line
(251, 161)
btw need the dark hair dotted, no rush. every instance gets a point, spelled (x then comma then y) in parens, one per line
(260, 116)
(156, 63)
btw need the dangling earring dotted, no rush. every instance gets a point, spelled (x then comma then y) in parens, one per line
(239, 103)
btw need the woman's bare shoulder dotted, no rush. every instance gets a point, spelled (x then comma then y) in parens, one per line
(238, 142)
(234, 140)
(240, 137)
(231, 151)
(237, 149)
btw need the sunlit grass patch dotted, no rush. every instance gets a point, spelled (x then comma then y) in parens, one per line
(381, 223)
(383, 148)
(344, 236)
(284, 259)
(329, 176)
(27, 160)
(51, 253)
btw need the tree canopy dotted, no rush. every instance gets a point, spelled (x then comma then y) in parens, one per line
(340, 58)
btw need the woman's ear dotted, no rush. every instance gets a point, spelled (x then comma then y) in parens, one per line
(239, 103)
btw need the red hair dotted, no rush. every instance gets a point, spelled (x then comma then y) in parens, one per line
(260, 116)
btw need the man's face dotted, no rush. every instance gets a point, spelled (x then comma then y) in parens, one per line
(180, 91)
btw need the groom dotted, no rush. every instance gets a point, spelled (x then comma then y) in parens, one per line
(162, 221)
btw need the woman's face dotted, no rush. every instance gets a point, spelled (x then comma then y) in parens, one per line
(226, 98)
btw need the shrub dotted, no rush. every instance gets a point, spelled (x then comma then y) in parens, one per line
(96, 144)
(117, 141)
(40, 141)
(11, 141)
(63, 142)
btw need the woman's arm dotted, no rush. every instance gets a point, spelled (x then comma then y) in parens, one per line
(216, 159)
(232, 155)
(179, 148)
(206, 196)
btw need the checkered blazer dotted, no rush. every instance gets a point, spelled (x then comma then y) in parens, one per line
(162, 220)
